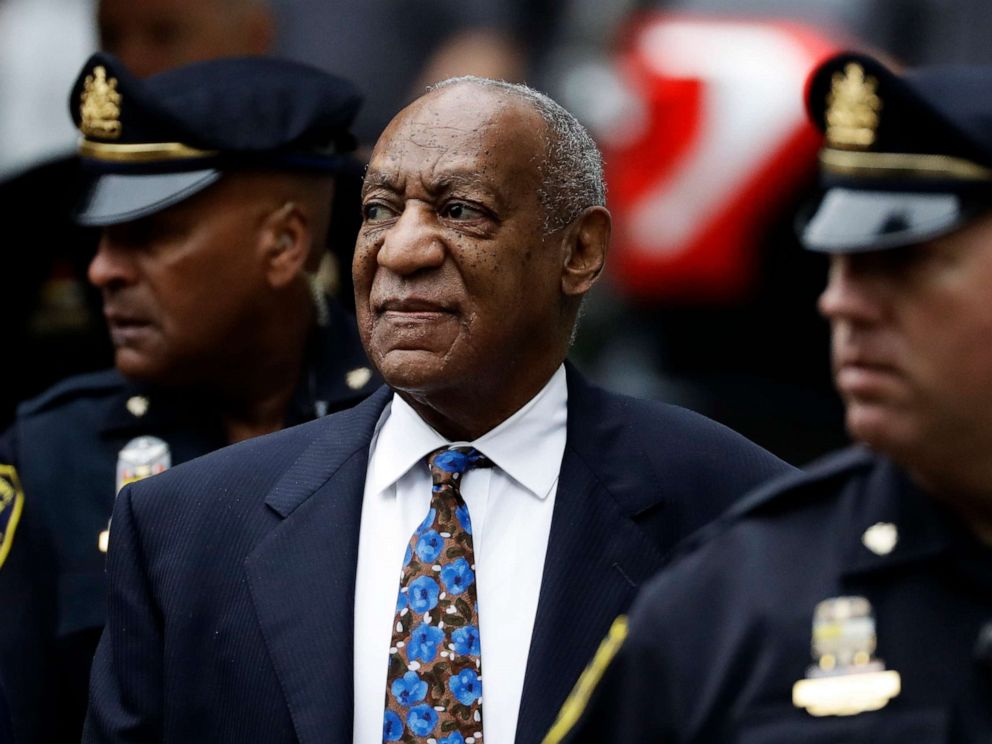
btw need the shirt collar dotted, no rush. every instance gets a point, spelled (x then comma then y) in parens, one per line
(528, 446)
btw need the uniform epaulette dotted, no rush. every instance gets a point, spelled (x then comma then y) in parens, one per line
(779, 489)
(90, 384)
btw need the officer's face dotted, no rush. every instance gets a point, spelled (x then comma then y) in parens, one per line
(912, 348)
(184, 289)
(151, 36)
(458, 290)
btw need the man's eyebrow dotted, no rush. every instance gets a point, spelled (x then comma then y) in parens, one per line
(444, 182)
(377, 179)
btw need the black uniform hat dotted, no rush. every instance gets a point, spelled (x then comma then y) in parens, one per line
(152, 143)
(907, 156)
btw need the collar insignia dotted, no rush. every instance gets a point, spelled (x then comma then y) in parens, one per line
(137, 405)
(846, 679)
(100, 106)
(358, 378)
(881, 538)
(852, 108)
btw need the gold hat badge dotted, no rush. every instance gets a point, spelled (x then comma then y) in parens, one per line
(100, 107)
(853, 108)
(847, 678)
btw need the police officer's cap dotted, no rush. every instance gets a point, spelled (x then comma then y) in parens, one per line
(907, 156)
(152, 143)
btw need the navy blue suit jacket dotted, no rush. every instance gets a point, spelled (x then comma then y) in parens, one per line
(232, 578)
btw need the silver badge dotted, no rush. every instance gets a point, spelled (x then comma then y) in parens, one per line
(847, 679)
(139, 458)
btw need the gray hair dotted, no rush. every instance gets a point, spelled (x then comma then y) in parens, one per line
(572, 171)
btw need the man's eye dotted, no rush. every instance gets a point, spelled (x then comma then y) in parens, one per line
(462, 211)
(375, 212)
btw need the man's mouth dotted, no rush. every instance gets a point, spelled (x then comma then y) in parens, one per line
(858, 374)
(124, 328)
(412, 308)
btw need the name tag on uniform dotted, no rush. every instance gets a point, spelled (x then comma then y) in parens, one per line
(138, 459)
(847, 679)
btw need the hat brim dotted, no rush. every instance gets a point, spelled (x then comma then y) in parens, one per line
(113, 198)
(858, 221)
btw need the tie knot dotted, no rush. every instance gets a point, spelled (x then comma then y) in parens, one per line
(453, 461)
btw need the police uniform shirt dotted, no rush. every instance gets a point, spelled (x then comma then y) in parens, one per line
(64, 448)
(713, 649)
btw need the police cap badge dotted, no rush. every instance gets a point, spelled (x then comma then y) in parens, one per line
(907, 156)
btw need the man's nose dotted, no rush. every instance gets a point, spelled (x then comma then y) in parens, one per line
(852, 293)
(414, 242)
(112, 265)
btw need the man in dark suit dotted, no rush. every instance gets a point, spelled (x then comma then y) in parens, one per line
(272, 591)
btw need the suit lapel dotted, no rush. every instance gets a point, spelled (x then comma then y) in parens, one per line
(302, 575)
(597, 556)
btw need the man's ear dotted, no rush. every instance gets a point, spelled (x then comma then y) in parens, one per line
(585, 243)
(285, 242)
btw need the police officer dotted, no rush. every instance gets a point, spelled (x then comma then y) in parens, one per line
(852, 602)
(213, 186)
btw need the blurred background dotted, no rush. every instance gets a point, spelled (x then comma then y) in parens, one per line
(697, 105)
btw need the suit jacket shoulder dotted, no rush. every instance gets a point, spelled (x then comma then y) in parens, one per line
(242, 563)
(636, 478)
(670, 468)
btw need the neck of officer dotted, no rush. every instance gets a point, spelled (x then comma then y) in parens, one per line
(976, 516)
(968, 496)
(256, 402)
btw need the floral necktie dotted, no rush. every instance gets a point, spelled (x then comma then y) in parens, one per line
(434, 682)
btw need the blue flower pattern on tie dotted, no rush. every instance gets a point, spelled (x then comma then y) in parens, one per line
(423, 642)
(464, 519)
(434, 680)
(409, 689)
(423, 594)
(392, 727)
(422, 720)
(429, 546)
(457, 576)
(466, 641)
(466, 686)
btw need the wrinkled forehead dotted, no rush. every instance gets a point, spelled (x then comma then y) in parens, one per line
(463, 128)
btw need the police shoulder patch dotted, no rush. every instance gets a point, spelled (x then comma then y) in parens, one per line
(11, 504)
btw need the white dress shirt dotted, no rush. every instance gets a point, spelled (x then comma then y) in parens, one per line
(510, 506)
